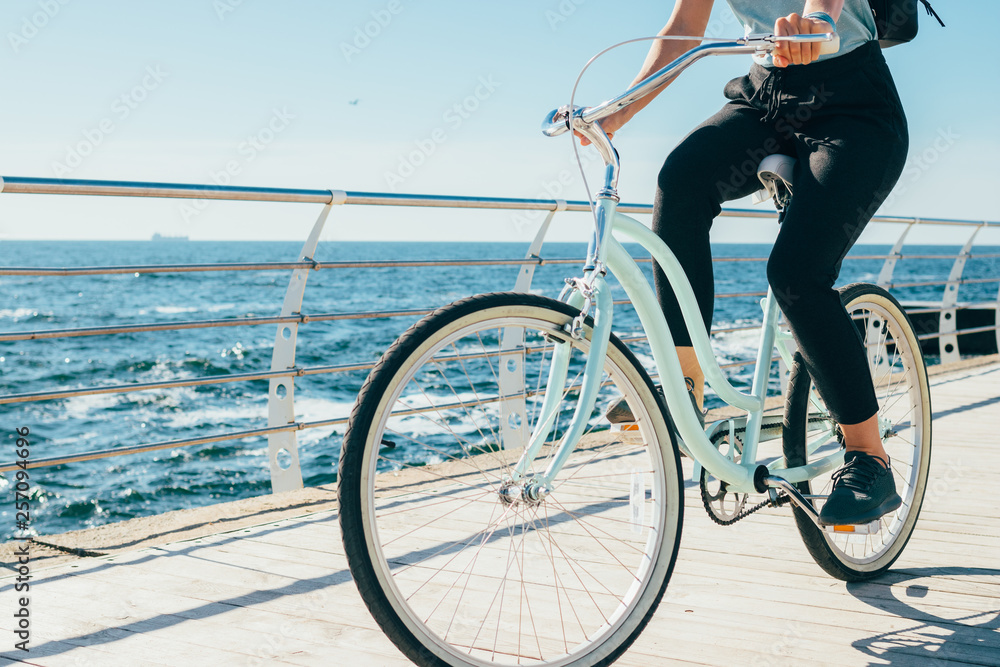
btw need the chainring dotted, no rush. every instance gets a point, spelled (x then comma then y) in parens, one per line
(726, 508)
(723, 506)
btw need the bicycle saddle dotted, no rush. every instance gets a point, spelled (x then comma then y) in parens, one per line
(775, 174)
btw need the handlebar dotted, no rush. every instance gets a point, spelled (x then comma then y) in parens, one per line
(583, 119)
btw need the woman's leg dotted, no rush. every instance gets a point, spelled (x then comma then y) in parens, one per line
(716, 162)
(851, 145)
(838, 186)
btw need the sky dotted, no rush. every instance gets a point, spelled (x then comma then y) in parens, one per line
(411, 96)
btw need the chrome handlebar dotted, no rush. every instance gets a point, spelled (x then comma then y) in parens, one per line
(584, 120)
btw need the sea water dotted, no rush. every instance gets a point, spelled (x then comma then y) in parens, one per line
(90, 493)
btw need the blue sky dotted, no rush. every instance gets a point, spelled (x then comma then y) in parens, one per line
(258, 92)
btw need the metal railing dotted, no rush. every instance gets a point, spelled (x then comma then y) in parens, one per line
(282, 426)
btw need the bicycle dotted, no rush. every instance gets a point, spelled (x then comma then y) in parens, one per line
(487, 516)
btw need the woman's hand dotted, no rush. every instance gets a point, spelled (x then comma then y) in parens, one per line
(797, 53)
(610, 125)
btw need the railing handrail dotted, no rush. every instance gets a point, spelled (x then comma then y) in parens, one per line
(117, 269)
(59, 186)
(306, 263)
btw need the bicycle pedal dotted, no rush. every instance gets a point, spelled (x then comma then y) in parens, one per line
(859, 529)
(624, 426)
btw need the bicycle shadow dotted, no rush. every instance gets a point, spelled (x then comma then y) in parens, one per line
(954, 622)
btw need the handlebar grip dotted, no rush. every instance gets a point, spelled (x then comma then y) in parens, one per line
(830, 47)
(557, 121)
(554, 123)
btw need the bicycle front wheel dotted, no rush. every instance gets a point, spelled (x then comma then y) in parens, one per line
(455, 568)
(904, 414)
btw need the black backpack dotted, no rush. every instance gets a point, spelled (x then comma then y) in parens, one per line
(896, 20)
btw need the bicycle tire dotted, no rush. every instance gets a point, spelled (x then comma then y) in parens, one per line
(879, 317)
(383, 527)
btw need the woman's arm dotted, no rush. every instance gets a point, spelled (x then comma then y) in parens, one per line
(690, 17)
(791, 53)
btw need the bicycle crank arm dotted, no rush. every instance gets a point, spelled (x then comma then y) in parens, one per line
(775, 483)
(802, 502)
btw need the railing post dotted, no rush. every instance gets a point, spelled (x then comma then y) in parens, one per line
(948, 322)
(527, 272)
(885, 275)
(282, 448)
(514, 426)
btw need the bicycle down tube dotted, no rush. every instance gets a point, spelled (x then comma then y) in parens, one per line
(739, 476)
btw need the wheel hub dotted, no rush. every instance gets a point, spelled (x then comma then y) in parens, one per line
(527, 492)
(886, 428)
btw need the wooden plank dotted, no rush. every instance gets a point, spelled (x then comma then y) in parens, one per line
(280, 592)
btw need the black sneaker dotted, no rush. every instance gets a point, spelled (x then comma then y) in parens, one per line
(863, 491)
(621, 413)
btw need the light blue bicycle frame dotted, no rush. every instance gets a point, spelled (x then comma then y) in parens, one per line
(606, 252)
(695, 441)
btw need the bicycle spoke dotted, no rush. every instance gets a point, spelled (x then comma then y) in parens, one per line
(583, 524)
(464, 407)
(472, 386)
(444, 455)
(486, 570)
(900, 393)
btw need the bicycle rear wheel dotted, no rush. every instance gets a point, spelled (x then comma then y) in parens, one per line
(458, 573)
(900, 378)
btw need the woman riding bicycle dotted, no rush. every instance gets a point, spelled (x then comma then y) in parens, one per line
(841, 117)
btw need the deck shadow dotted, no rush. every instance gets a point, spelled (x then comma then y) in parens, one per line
(962, 637)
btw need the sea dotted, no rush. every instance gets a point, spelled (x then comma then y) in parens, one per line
(92, 493)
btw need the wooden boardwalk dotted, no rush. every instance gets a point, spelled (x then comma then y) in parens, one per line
(281, 594)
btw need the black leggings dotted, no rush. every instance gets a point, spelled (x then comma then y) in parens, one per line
(843, 120)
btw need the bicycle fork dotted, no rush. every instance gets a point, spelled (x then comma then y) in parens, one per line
(592, 290)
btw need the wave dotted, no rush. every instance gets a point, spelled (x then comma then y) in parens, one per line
(21, 313)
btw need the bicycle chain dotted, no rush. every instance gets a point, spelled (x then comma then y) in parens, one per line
(783, 499)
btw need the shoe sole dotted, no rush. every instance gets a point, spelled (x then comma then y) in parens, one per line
(890, 504)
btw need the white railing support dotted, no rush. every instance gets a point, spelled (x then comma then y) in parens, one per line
(513, 408)
(527, 272)
(948, 318)
(885, 275)
(282, 447)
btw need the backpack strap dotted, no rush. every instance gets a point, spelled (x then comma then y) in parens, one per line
(931, 12)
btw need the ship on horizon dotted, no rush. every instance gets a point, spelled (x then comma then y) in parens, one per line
(161, 237)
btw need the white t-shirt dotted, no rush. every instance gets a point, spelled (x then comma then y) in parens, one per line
(856, 24)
